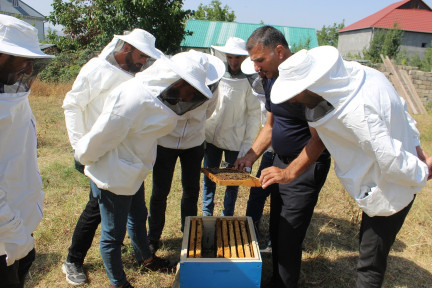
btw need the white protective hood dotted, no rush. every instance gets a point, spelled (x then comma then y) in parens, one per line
(83, 104)
(371, 137)
(236, 120)
(120, 148)
(21, 195)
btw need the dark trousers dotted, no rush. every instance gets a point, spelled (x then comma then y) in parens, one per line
(294, 204)
(13, 276)
(377, 235)
(163, 171)
(258, 195)
(85, 229)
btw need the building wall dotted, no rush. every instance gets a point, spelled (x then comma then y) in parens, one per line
(413, 41)
(38, 24)
(35, 22)
(354, 42)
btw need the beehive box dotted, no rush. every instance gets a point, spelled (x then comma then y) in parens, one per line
(219, 252)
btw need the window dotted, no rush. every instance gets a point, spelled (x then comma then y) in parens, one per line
(423, 45)
(15, 3)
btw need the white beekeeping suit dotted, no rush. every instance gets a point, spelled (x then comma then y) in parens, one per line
(21, 195)
(97, 78)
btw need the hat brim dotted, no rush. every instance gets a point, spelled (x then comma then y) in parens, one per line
(248, 66)
(323, 58)
(200, 86)
(22, 52)
(216, 69)
(230, 50)
(147, 49)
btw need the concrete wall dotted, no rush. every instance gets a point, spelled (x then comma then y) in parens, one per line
(416, 43)
(38, 24)
(354, 42)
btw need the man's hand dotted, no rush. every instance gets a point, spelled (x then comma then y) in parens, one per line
(429, 164)
(272, 175)
(243, 163)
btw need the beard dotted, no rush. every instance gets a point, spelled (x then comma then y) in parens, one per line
(133, 67)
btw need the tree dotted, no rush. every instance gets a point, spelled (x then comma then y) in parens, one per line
(213, 12)
(375, 47)
(301, 45)
(92, 23)
(386, 42)
(426, 63)
(392, 41)
(329, 35)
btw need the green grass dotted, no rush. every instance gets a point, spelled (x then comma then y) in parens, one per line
(331, 244)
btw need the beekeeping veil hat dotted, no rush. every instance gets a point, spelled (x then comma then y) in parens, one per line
(302, 70)
(253, 77)
(138, 38)
(18, 38)
(198, 69)
(234, 45)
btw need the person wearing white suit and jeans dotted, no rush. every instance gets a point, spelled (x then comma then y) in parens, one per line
(234, 124)
(118, 62)
(21, 195)
(120, 149)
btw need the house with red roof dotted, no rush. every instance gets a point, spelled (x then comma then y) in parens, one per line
(413, 17)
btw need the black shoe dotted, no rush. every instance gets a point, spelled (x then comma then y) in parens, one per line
(154, 246)
(158, 264)
(126, 285)
(267, 249)
(74, 273)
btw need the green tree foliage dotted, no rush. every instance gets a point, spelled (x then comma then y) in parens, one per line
(329, 35)
(392, 41)
(301, 45)
(92, 23)
(376, 46)
(66, 66)
(426, 63)
(214, 12)
(386, 42)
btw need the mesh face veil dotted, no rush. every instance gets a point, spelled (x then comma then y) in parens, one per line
(24, 83)
(170, 97)
(256, 83)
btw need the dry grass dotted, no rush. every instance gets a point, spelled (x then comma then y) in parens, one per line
(330, 247)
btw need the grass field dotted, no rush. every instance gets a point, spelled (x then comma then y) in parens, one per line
(330, 250)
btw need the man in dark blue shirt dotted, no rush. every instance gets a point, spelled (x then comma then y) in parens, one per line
(300, 166)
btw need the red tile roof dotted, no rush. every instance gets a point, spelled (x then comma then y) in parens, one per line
(407, 18)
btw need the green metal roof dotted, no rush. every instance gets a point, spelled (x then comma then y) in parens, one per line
(207, 33)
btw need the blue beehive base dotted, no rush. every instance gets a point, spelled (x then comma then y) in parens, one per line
(219, 272)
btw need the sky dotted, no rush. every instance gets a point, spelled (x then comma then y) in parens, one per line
(294, 13)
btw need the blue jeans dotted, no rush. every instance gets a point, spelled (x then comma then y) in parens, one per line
(118, 213)
(212, 159)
